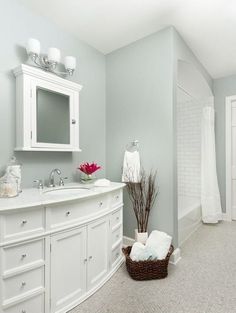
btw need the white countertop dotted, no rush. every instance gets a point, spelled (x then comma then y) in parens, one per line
(31, 197)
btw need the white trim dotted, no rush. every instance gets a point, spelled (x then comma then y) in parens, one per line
(47, 76)
(175, 256)
(225, 217)
(174, 259)
(127, 241)
(228, 158)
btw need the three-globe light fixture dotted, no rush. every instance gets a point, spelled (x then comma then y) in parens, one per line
(50, 61)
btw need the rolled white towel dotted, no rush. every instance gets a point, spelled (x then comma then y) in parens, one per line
(160, 242)
(140, 252)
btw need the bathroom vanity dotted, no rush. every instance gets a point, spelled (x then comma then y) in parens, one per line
(58, 246)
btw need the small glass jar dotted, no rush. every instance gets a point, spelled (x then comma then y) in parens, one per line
(8, 186)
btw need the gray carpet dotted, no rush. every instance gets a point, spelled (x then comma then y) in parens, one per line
(204, 281)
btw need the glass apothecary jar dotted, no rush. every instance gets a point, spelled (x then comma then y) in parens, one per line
(8, 186)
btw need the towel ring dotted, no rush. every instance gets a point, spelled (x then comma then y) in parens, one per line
(133, 145)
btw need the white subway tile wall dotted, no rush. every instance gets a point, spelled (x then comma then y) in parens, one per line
(189, 146)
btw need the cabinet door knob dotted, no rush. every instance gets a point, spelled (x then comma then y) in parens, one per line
(67, 213)
(117, 197)
(73, 121)
(117, 218)
(85, 260)
(23, 256)
(100, 203)
(90, 258)
(23, 283)
(24, 222)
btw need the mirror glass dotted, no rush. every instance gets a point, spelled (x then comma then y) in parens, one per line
(53, 117)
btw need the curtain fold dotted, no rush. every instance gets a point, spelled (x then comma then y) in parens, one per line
(210, 195)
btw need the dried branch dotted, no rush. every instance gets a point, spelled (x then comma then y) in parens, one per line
(142, 195)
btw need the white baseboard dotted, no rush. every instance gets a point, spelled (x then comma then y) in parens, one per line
(226, 217)
(175, 256)
(174, 259)
(127, 241)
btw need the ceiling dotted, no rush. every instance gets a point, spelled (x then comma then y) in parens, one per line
(207, 26)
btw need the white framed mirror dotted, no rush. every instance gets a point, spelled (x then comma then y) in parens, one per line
(47, 111)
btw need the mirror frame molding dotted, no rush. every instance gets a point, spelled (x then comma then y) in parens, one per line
(27, 77)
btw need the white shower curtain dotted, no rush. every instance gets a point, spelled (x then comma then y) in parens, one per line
(210, 195)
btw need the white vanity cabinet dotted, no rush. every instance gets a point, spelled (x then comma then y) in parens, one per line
(98, 251)
(53, 256)
(68, 267)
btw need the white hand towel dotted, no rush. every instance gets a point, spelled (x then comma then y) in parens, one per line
(131, 167)
(103, 182)
(160, 242)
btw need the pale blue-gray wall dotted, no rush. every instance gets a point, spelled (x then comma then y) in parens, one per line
(222, 88)
(139, 106)
(141, 101)
(17, 24)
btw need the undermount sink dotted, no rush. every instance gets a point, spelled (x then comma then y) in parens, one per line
(68, 191)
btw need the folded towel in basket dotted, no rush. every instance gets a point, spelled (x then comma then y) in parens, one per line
(140, 252)
(156, 248)
(160, 242)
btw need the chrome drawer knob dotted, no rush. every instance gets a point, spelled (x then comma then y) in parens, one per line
(100, 203)
(117, 197)
(68, 213)
(24, 222)
(90, 258)
(23, 283)
(23, 256)
(85, 260)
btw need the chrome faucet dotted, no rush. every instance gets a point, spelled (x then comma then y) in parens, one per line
(51, 177)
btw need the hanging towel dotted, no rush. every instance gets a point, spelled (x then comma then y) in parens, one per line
(131, 167)
(210, 195)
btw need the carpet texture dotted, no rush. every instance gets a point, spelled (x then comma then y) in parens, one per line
(204, 281)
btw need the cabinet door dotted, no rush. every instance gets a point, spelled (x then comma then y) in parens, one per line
(68, 267)
(53, 121)
(98, 257)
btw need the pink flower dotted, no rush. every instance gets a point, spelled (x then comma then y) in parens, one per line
(88, 168)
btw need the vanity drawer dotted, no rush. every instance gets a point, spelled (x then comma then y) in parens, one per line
(23, 223)
(33, 305)
(69, 213)
(116, 218)
(16, 256)
(20, 284)
(116, 198)
(116, 255)
(116, 235)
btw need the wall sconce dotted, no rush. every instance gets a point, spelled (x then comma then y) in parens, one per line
(49, 62)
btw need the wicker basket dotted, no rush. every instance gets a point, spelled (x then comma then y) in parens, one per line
(145, 270)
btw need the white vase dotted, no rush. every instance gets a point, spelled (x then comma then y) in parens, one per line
(141, 237)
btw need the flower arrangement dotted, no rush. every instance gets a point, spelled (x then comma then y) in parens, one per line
(89, 169)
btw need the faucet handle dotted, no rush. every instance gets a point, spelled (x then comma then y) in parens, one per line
(39, 182)
(61, 181)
